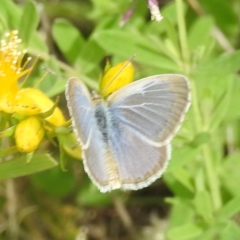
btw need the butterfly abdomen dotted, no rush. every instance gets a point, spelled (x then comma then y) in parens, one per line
(103, 122)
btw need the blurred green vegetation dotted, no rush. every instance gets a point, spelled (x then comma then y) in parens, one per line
(198, 196)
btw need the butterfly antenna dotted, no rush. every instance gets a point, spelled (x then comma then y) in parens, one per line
(48, 70)
(51, 71)
(124, 66)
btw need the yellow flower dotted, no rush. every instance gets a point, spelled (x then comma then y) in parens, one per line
(116, 77)
(23, 101)
(29, 134)
(31, 101)
(29, 104)
(11, 70)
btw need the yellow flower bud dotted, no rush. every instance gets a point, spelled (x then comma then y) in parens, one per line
(116, 77)
(29, 134)
(24, 104)
(31, 101)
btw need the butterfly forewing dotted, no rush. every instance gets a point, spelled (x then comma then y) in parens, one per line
(84, 124)
(153, 107)
(80, 107)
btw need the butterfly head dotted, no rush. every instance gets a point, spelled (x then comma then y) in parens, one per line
(96, 97)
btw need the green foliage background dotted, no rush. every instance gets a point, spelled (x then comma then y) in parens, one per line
(198, 196)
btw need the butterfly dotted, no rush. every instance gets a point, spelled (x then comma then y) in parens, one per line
(125, 139)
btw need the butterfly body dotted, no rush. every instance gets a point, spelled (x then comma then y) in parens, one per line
(126, 138)
(102, 120)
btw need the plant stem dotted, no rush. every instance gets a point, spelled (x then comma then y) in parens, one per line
(183, 35)
(212, 178)
(12, 209)
(197, 117)
(11, 200)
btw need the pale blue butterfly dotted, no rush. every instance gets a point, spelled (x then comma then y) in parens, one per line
(126, 139)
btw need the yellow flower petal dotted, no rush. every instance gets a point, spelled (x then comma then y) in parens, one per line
(116, 77)
(29, 134)
(11, 67)
(31, 101)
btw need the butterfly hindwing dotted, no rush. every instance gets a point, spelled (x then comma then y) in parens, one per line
(138, 162)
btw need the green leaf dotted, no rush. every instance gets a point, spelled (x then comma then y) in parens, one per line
(184, 178)
(89, 57)
(184, 232)
(230, 208)
(202, 202)
(219, 67)
(68, 39)
(182, 212)
(55, 182)
(221, 107)
(231, 232)
(170, 11)
(172, 35)
(223, 13)
(200, 139)
(10, 13)
(200, 33)
(28, 22)
(181, 156)
(4, 152)
(18, 167)
(29, 157)
(234, 99)
(199, 179)
(3, 25)
(126, 44)
(63, 159)
(7, 132)
(177, 187)
(36, 46)
(52, 85)
(70, 145)
(230, 176)
(211, 231)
